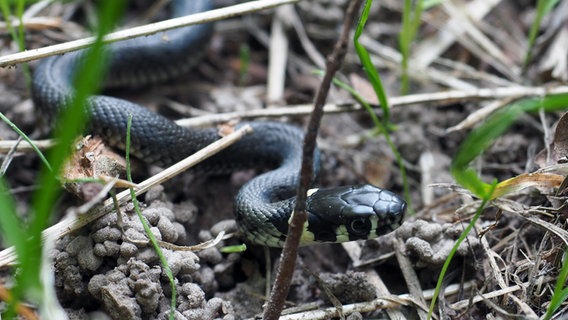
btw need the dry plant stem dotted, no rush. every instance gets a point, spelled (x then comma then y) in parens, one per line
(427, 163)
(311, 51)
(38, 23)
(290, 250)
(436, 98)
(493, 263)
(392, 301)
(481, 114)
(389, 302)
(24, 146)
(33, 9)
(198, 247)
(411, 279)
(381, 290)
(433, 47)
(9, 157)
(451, 74)
(74, 222)
(333, 312)
(492, 53)
(467, 303)
(202, 17)
(278, 57)
(385, 56)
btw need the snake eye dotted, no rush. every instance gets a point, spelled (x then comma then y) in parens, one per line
(359, 227)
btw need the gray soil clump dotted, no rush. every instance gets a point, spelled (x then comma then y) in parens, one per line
(112, 267)
(429, 244)
(348, 288)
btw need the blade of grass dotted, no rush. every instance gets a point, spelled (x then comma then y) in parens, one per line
(373, 76)
(151, 235)
(380, 127)
(244, 59)
(475, 143)
(455, 249)
(543, 7)
(70, 124)
(410, 22)
(25, 137)
(13, 230)
(368, 66)
(18, 36)
(560, 293)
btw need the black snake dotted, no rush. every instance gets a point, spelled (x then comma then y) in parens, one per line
(264, 205)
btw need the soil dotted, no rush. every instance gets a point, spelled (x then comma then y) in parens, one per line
(107, 270)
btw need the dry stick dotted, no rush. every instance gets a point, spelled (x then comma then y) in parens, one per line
(435, 98)
(74, 222)
(393, 301)
(24, 146)
(201, 17)
(290, 250)
(278, 56)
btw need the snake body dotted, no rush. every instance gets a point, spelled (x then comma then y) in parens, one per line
(265, 204)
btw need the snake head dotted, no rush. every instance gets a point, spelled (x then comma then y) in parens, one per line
(350, 213)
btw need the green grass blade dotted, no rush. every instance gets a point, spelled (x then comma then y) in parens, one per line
(462, 237)
(385, 125)
(149, 233)
(25, 137)
(13, 230)
(17, 35)
(368, 66)
(560, 293)
(475, 143)
(410, 23)
(70, 124)
(244, 59)
(385, 131)
(543, 7)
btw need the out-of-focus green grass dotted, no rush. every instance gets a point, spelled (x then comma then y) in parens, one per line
(26, 235)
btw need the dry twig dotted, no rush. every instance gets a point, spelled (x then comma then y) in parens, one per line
(290, 250)
(145, 30)
(74, 222)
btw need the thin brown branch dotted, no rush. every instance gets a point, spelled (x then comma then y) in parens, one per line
(290, 250)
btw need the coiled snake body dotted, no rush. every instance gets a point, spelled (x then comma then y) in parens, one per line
(264, 205)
